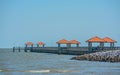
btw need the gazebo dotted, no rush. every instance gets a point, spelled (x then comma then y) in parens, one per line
(40, 44)
(74, 42)
(63, 41)
(29, 44)
(109, 40)
(95, 39)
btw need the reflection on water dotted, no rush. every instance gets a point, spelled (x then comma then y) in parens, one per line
(21, 63)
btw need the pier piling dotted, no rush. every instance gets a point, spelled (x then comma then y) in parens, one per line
(16, 48)
(19, 49)
(13, 49)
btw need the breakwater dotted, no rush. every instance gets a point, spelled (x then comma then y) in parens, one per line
(106, 56)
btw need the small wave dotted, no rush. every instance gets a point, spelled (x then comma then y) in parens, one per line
(60, 71)
(63, 71)
(1, 70)
(38, 71)
(52, 70)
(5, 70)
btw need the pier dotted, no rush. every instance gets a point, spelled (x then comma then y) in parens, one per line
(69, 49)
(19, 49)
(62, 50)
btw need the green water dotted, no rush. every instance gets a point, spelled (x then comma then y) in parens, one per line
(21, 63)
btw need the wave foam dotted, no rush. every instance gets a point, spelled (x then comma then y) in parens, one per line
(38, 71)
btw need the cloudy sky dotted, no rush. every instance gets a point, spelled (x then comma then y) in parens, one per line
(52, 20)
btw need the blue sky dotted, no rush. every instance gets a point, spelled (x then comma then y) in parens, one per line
(52, 20)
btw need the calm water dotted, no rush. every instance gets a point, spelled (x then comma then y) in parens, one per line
(21, 63)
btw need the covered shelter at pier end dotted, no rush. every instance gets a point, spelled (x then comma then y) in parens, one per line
(40, 44)
(109, 40)
(95, 39)
(63, 41)
(30, 44)
(74, 42)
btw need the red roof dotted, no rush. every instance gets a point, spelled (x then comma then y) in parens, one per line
(109, 40)
(40, 43)
(95, 39)
(29, 43)
(74, 42)
(63, 41)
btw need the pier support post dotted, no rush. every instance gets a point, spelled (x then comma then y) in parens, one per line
(25, 45)
(25, 49)
(68, 46)
(37, 45)
(59, 49)
(13, 49)
(77, 45)
(19, 49)
(101, 45)
(90, 46)
(43, 45)
(31, 49)
(111, 45)
(32, 45)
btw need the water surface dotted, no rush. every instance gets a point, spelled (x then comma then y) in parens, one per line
(21, 63)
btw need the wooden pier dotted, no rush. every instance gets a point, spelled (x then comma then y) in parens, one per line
(30, 46)
(61, 50)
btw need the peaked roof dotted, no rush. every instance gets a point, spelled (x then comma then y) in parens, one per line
(29, 43)
(63, 41)
(74, 42)
(95, 39)
(40, 43)
(109, 40)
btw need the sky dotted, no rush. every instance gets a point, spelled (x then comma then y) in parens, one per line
(52, 20)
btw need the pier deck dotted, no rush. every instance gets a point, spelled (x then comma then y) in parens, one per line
(62, 50)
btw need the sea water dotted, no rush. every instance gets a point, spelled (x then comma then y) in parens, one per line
(30, 63)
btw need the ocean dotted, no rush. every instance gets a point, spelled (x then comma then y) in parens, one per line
(30, 63)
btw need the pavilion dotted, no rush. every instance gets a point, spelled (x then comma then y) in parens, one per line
(95, 39)
(29, 44)
(63, 41)
(74, 42)
(109, 40)
(40, 44)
